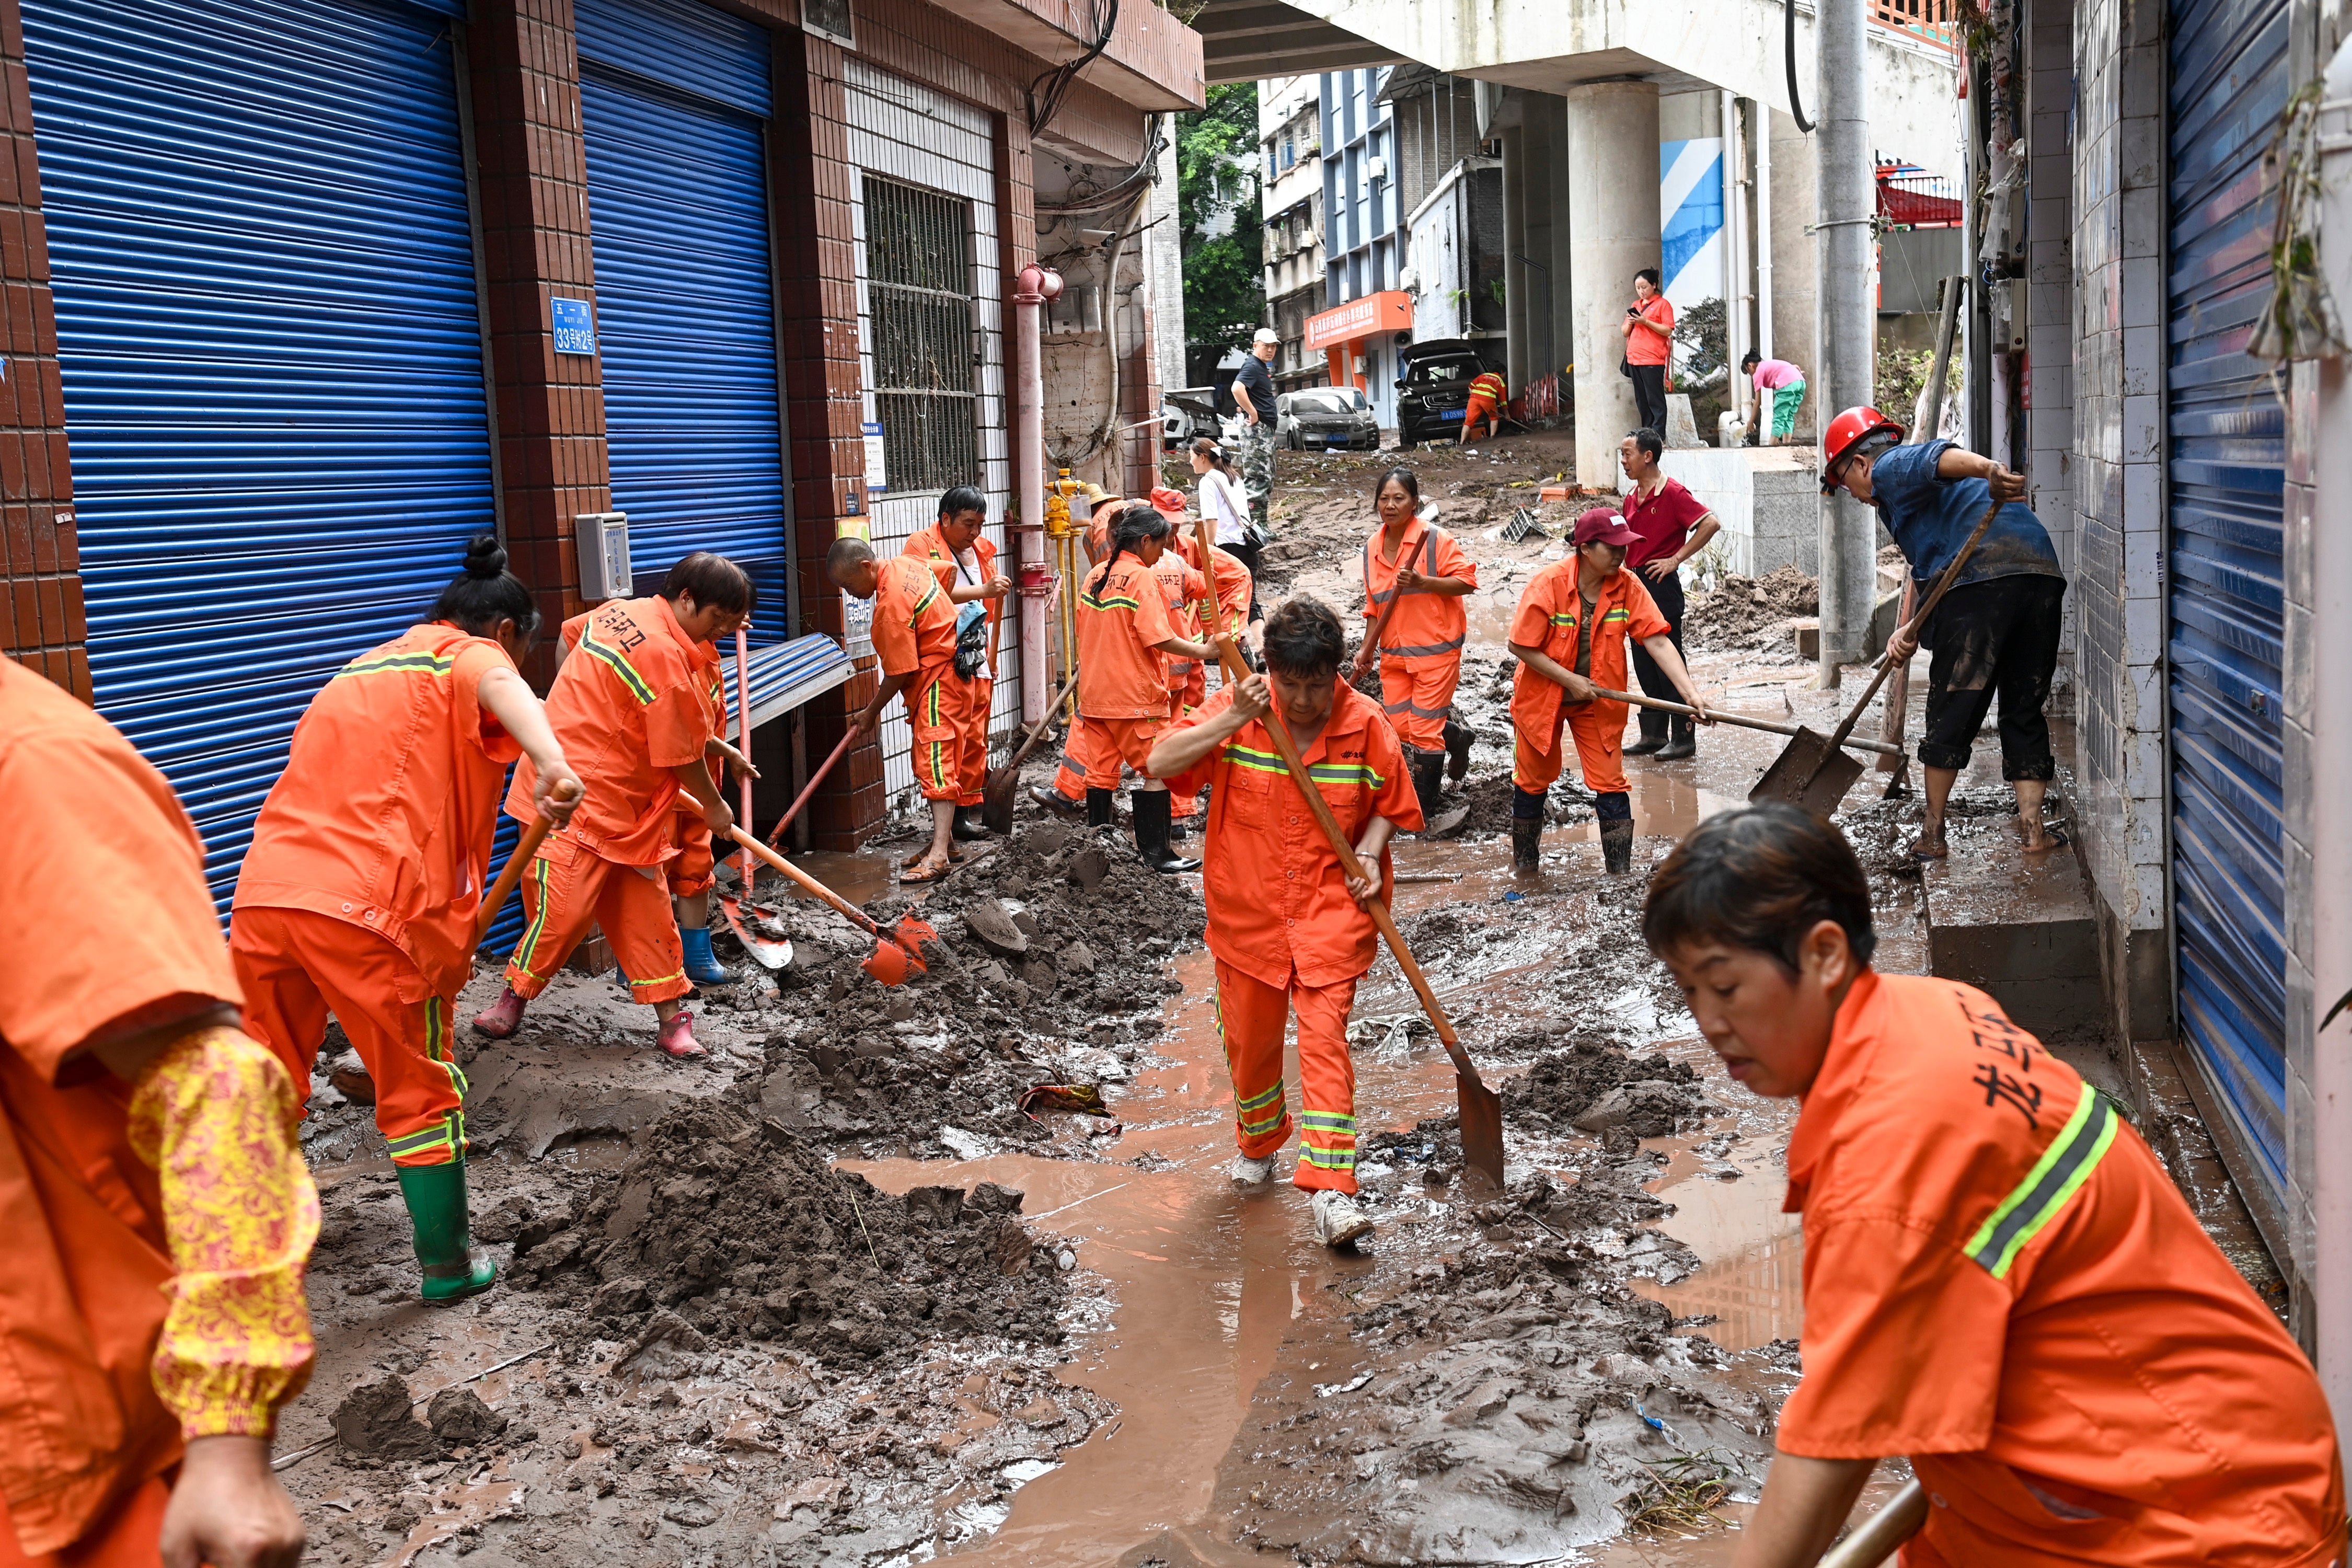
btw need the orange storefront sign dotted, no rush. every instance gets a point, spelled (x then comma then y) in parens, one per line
(1391, 311)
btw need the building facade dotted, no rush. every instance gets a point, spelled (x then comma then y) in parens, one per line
(1290, 116)
(1366, 317)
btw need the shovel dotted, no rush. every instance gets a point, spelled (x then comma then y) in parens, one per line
(510, 874)
(772, 953)
(1368, 656)
(1814, 773)
(996, 795)
(1480, 1108)
(767, 951)
(1876, 1538)
(896, 952)
(1638, 701)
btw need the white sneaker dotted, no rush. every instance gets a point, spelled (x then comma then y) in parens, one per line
(1338, 1220)
(1249, 1173)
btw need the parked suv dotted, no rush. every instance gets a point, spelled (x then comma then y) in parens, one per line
(1325, 418)
(1433, 388)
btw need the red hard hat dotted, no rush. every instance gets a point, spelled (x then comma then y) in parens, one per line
(1846, 429)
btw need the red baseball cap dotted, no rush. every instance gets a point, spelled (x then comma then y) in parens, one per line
(1602, 525)
(1168, 503)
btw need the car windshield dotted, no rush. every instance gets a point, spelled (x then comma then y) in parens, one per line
(1436, 372)
(1321, 402)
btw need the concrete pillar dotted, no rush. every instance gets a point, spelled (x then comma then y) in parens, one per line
(1790, 334)
(1613, 133)
(1515, 244)
(1848, 319)
(1533, 256)
(1562, 265)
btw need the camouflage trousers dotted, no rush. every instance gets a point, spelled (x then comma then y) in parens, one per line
(1257, 450)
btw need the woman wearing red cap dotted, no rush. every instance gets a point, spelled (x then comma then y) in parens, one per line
(1568, 635)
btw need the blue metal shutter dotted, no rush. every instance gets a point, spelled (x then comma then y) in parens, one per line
(2226, 464)
(674, 96)
(264, 272)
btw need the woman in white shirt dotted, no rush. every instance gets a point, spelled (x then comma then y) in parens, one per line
(1222, 500)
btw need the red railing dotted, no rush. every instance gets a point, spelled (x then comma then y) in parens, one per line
(1910, 197)
(1936, 21)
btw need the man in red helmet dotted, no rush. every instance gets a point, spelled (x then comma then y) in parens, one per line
(1996, 632)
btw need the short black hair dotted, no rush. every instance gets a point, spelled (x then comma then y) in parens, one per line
(1751, 360)
(1759, 878)
(487, 593)
(964, 499)
(1402, 477)
(1302, 638)
(1649, 275)
(846, 554)
(713, 580)
(1649, 441)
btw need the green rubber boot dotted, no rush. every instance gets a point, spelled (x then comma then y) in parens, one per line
(454, 1267)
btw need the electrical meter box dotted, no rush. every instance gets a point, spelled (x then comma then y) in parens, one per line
(603, 538)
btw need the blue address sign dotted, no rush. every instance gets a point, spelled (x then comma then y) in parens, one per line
(575, 327)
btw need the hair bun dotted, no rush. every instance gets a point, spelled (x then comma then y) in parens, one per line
(485, 556)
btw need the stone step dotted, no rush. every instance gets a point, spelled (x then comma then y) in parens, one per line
(2018, 926)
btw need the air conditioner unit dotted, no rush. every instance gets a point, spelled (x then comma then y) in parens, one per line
(602, 539)
(1376, 168)
(1410, 280)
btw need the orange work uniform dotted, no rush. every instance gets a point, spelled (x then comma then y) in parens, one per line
(369, 862)
(100, 1387)
(1187, 681)
(695, 869)
(630, 704)
(1122, 675)
(1547, 620)
(1285, 932)
(1421, 648)
(2003, 1283)
(914, 634)
(1228, 612)
(980, 692)
(1488, 392)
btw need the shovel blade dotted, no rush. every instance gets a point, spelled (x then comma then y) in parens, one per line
(911, 934)
(889, 964)
(1808, 772)
(996, 800)
(768, 952)
(1481, 1133)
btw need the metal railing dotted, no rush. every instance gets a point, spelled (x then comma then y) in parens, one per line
(1936, 21)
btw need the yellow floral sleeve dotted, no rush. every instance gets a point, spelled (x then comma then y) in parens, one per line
(215, 1114)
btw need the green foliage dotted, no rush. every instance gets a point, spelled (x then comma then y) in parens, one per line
(1902, 373)
(1702, 333)
(1216, 170)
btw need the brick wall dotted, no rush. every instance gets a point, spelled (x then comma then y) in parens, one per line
(40, 612)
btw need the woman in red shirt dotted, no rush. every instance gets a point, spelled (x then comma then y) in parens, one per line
(1673, 525)
(1649, 329)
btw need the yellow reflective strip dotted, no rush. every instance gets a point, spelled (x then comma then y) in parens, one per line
(619, 664)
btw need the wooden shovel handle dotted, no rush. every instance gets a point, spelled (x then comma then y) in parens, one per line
(1029, 741)
(1371, 648)
(1719, 716)
(1229, 659)
(1935, 597)
(842, 906)
(510, 874)
(809, 788)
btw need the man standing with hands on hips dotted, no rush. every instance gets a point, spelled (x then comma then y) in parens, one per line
(1253, 398)
(1672, 526)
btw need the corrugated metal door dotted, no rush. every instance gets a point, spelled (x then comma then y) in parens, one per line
(676, 101)
(263, 271)
(2226, 465)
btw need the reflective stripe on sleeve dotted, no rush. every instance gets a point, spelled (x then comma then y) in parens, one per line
(2063, 1169)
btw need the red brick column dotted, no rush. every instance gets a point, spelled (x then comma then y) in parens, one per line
(40, 611)
(531, 161)
(817, 282)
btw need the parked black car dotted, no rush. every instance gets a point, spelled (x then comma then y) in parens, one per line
(1325, 418)
(1433, 388)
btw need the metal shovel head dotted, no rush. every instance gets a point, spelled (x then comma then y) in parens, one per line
(899, 953)
(1808, 772)
(1482, 1132)
(996, 800)
(768, 951)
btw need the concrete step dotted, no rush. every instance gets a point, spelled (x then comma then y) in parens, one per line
(2016, 926)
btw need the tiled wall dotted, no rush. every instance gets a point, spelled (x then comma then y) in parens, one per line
(2049, 271)
(2118, 590)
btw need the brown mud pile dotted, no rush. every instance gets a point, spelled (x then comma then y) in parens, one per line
(1749, 612)
(1593, 1085)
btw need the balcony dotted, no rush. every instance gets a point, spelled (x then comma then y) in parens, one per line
(1152, 63)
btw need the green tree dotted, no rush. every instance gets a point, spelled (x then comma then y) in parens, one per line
(1216, 172)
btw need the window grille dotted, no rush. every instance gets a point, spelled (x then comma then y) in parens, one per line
(926, 352)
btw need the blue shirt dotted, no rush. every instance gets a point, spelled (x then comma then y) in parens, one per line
(1931, 519)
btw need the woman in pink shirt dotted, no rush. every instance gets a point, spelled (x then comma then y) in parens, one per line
(1786, 382)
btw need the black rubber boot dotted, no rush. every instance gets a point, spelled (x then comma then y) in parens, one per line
(1653, 732)
(968, 825)
(1527, 843)
(1685, 740)
(1150, 809)
(1098, 806)
(1458, 748)
(1428, 771)
(1617, 845)
(1055, 801)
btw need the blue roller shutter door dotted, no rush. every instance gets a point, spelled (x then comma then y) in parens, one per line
(675, 97)
(2226, 465)
(264, 273)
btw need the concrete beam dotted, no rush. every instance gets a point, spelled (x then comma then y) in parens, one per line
(1252, 40)
(1612, 139)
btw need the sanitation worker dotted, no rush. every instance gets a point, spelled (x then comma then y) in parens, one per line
(2000, 1281)
(361, 893)
(964, 561)
(632, 707)
(1569, 635)
(1187, 589)
(1996, 634)
(1488, 394)
(158, 1212)
(1126, 638)
(915, 639)
(1421, 648)
(1286, 926)
(1081, 743)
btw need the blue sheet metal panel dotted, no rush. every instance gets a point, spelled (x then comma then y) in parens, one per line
(686, 318)
(2226, 455)
(264, 277)
(787, 675)
(679, 44)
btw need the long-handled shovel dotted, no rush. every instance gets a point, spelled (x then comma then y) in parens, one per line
(1480, 1108)
(1637, 699)
(1876, 1540)
(996, 794)
(1368, 656)
(896, 953)
(767, 951)
(1814, 773)
(510, 874)
(776, 834)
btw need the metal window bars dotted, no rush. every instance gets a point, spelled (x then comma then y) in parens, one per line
(926, 349)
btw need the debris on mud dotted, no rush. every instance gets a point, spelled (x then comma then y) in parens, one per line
(1595, 1087)
(1750, 613)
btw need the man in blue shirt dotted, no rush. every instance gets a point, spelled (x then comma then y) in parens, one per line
(1996, 632)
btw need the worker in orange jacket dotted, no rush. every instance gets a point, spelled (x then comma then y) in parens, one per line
(1125, 638)
(1082, 746)
(1569, 635)
(2000, 1280)
(361, 893)
(1489, 394)
(914, 633)
(1286, 924)
(1421, 648)
(632, 707)
(964, 560)
(1186, 588)
(158, 1212)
